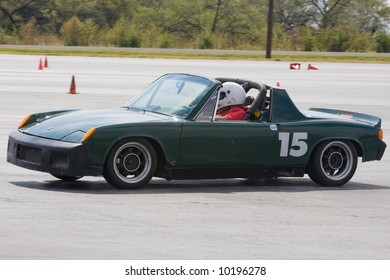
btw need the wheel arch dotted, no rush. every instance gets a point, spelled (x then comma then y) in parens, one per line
(157, 145)
(358, 146)
(161, 156)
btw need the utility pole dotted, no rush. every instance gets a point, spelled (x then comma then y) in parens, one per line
(269, 28)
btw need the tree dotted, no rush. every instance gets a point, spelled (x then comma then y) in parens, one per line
(326, 13)
(331, 25)
(71, 32)
(229, 24)
(211, 22)
(368, 15)
(17, 12)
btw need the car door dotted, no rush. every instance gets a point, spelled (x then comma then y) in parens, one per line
(228, 144)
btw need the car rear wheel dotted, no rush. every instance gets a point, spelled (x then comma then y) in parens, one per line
(130, 164)
(333, 163)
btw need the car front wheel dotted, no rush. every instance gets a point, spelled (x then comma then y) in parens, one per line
(333, 163)
(130, 164)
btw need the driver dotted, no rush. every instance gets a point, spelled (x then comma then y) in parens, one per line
(231, 102)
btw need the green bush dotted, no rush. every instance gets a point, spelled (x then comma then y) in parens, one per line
(341, 40)
(206, 42)
(29, 34)
(71, 31)
(122, 35)
(10, 38)
(88, 33)
(382, 42)
(2, 36)
(77, 33)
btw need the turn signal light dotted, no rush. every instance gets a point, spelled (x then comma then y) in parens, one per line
(380, 134)
(88, 134)
(24, 121)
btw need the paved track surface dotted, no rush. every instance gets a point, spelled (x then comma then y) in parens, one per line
(42, 218)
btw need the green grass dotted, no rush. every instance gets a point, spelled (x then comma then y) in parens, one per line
(196, 54)
(334, 58)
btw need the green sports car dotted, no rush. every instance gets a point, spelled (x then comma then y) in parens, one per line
(170, 131)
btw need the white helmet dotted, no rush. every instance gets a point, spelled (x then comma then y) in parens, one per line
(231, 94)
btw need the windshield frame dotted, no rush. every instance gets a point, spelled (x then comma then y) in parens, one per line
(174, 94)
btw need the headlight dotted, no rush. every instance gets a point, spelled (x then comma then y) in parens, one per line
(74, 137)
(78, 136)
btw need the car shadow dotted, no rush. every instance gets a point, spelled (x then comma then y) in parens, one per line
(161, 186)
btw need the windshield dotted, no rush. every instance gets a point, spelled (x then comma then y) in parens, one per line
(172, 94)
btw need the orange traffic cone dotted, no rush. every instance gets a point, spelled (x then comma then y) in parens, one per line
(72, 86)
(277, 84)
(46, 64)
(40, 67)
(295, 66)
(311, 67)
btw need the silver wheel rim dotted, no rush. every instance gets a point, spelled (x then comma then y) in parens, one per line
(336, 160)
(132, 162)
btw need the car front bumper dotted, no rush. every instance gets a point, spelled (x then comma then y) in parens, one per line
(54, 157)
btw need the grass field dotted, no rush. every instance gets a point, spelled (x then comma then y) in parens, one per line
(197, 54)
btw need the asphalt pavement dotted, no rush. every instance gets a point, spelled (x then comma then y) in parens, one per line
(288, 218)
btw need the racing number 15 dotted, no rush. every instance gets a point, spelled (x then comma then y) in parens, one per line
(298, 146)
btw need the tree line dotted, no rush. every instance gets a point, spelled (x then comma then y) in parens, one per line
(305, 25)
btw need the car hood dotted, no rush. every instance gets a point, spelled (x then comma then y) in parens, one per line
(59, 126)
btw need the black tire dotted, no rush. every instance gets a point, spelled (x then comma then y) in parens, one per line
(130, 164)
(66, 178)
(333, 163)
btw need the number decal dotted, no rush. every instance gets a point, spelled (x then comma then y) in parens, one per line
(298, 146)
(297, 141)
(285, 138)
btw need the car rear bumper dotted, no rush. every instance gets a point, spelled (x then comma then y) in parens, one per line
(381, 150)
(55, 157)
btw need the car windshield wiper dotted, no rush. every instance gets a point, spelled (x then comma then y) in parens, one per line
(146, 110)
(157, 112)
(133, 108)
